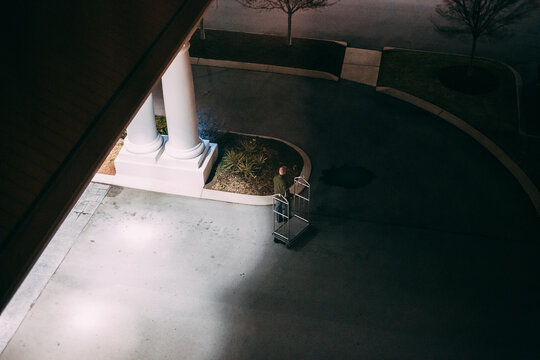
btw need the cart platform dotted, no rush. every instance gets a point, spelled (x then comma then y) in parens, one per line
(289, 231)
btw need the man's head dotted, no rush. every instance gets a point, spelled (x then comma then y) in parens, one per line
(282, 170)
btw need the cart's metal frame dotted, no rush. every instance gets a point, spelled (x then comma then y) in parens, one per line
(296, 217)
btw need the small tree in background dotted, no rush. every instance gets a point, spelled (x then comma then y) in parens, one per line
(289, 7)
(202, 30)
(480, 18)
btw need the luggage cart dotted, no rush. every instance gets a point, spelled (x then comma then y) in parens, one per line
(291, 218)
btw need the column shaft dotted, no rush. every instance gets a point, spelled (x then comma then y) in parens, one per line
(142, 136)
(179, 100)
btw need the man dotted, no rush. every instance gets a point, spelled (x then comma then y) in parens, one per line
(281, 187)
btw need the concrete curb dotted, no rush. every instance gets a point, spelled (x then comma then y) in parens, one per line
(519, 91)
(440, 52)
(515, 170)
(217, 195)
(264, 68)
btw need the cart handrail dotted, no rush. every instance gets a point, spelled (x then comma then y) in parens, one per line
(302, 181)
(280, 198)
(281, 214)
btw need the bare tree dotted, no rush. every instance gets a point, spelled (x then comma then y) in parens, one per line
(480, 18)
(202, 29)
(289, 7)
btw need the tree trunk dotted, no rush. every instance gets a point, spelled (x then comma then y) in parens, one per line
(471, 58)
(289, 28)
(202, 32)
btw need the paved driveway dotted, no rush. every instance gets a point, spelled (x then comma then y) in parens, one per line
(423, 172)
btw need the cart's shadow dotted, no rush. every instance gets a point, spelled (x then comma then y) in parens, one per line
(309, 234)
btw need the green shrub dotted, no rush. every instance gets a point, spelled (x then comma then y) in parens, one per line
(161, 124)
(207, 130)
(244, 163)
(249, 146)
(231, 160)
(259, 159)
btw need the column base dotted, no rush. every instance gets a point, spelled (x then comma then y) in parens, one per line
(184, 154)
(151, 147)
(126, 157)
(162, 173)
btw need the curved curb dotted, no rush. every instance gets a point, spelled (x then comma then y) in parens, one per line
(264, 68)
(256, 199)
(519, 93)
(490, 146)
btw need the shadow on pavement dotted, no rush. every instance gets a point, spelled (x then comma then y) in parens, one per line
(354, 290)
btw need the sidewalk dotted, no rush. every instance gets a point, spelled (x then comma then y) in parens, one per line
(49, 261)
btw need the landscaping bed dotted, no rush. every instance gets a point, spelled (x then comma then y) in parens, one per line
(107, 167)
(308, 54)
(258, 182)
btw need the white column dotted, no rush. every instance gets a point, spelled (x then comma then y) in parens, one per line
(142, 136)
(180, 110)
(184, 163)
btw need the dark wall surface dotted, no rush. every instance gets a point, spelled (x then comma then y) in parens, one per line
(75, 73)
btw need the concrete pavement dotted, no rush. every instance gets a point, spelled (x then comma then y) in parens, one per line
(430, 251)
(361, 66)
(50, 260)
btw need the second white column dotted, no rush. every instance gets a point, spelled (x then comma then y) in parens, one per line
(180, 109)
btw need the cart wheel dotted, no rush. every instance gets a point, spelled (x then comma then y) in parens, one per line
(288, 246)
(276, 240)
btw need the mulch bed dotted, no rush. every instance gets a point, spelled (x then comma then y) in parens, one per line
(277, 153)
(107, 167)
(308, 54)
